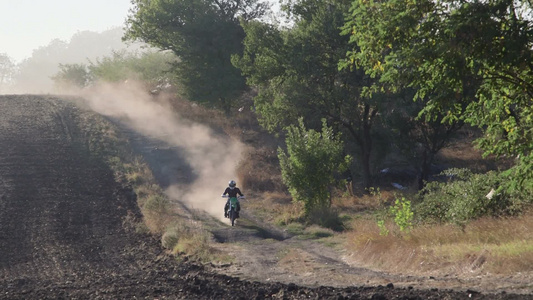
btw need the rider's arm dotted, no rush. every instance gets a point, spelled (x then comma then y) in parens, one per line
(225, 192)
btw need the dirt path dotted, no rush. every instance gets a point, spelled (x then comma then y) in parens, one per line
(63, 235)
(268, 254)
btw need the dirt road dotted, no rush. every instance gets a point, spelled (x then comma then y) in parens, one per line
(63, 235)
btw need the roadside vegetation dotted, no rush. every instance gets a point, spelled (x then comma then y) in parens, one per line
(158, 216)
(348, 113)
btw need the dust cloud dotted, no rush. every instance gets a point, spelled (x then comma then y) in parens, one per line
(212, 158)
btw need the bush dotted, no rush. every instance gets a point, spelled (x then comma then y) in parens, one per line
(468, 196)
(308, 166)
(150, 67)
(403, 215)
(71, 76)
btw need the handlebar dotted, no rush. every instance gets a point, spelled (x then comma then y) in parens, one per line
(226, 196)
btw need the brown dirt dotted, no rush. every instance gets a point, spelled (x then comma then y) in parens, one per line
(63, 233)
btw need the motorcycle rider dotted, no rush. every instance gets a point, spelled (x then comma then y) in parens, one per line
(232, 191)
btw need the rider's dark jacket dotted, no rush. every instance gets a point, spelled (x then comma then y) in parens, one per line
(232, 192)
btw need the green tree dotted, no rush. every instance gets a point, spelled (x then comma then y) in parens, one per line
(152, 68)
(203, 34)
(419, 140)
(71, 76)
(295, 72)
(7, 70)
(467, 60)
(309, 165)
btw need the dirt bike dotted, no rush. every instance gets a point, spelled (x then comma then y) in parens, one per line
(233, 212)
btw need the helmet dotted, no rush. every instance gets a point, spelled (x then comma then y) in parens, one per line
(232, 183)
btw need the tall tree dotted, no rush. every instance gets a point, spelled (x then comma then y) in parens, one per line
(71, 76)
(203, 34)
(7, 70)
(418, 139)
(467, 60)
(296, 73)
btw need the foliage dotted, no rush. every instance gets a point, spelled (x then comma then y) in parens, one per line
(34, 74)
(470, 196)
(400, 212)
(149, 67)
(71, 76)
(466, 61)
(309, 164)
(295, 72)
(418, 140)
(403, 215)
(7, 70)
(382, 228)
(203, 34)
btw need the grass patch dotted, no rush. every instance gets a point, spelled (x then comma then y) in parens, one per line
(104, 141)
(365, 202)
(488, 245)
(314, 232)
(275, 207)
(192, 242)
(295, 228)
(327, 218)
(501, 246)
(296, 259)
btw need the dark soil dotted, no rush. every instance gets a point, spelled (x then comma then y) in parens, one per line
(65, 234)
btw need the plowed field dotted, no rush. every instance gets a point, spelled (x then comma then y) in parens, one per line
(63, 232)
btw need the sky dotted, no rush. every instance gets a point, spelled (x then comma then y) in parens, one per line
(26, 25)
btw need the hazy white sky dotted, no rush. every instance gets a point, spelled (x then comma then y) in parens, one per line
(26, 25)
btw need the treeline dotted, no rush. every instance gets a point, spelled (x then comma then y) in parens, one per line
(34, 74)
(150, 68)
(350, 82)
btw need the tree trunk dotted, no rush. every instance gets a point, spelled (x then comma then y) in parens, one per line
(226, 106)
(366, 148)
(366, 144)
(362, 135)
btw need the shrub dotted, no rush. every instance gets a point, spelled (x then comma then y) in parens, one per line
(71, 76)
(149, 67)
(170, 238)
(468, 196)
(382, 228)
(156, 203)
(308, 166)
(403, 215)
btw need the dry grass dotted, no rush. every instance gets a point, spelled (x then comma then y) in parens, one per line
(487, 245)
(501, 246)
(259, 170)
(236, 126)
(365, 202)
(463, 154)
(192, 241)
(160, 218)
(297, 259)
(195, 112)
(275, 207)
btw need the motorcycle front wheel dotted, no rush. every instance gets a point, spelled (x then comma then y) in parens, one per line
(232, 217)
